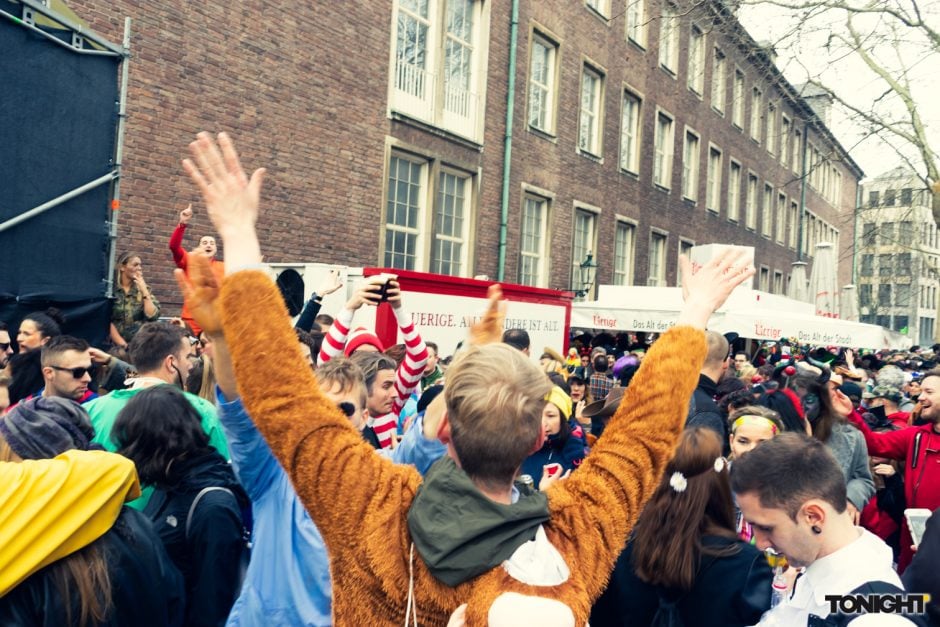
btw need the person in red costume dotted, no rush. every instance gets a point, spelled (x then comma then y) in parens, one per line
(918, 447)
(180, 257)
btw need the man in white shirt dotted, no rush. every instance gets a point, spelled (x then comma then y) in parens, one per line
(792, 491)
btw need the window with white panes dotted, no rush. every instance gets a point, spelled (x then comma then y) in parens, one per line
(669, 38)
(756, 113)
(713, 180)
(797, 151)
(750, 202)
(780, 225)
(737, 106)
(542, 71)
(630, 133)
(690, 166)
(767, 211)
(656, 275)
(624, 245)
(404, 214)
(585, 234)
(451, 225)
(734, 191)
(793, 222)
(589, 135)
(778, 282)
(785, 140)
(696, 72)
(532, 255)
(438, 73)
(663, 142)
(601, 7)
(685, 250)
(764, 280)
(636, 21)
(771, 142)
(719, 80)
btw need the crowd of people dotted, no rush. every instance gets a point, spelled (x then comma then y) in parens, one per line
(237, 467)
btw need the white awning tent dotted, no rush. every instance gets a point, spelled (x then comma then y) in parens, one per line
(750, 313)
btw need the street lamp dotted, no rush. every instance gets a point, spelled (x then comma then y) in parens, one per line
(587, 270)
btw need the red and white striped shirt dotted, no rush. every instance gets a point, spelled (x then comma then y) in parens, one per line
(407, 377)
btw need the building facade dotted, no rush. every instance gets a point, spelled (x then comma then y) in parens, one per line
(898, 253)
(635, 130)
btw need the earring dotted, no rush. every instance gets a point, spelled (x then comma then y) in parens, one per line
(816, 529)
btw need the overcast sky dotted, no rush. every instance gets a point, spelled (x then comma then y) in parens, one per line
(802, 52)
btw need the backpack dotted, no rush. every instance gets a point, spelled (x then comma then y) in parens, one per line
(871, 587)
(246, 528)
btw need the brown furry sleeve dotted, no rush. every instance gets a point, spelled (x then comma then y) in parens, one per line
(599, 503)
(336, 474)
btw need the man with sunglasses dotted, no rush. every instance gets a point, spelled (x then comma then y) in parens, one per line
(6, 348)
(66, 369)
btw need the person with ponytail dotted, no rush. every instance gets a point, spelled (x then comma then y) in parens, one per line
(684, 564)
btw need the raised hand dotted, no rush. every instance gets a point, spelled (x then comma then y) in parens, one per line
(186, 214)
(394, 293)
(489, 329)
(201, 290)
(232, 198)
(708, 288)
(330, 284)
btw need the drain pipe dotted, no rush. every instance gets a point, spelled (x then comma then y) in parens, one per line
(855, 238)
(507, 142)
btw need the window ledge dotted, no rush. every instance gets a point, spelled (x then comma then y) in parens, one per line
(718, 112)
(696, 93)
(630, 173)
(661, 187)
(542, 134)
(398, 116)
(597, 14)
(670, 73)
(637, 44)
(590, 155)
(713, 211)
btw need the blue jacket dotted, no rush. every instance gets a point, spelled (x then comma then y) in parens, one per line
(288, 578)
(569, 455)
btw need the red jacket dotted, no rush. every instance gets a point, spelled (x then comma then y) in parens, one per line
(919, 448)
(181, 258)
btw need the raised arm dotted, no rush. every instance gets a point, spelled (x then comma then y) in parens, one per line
(314, 442)
(411, 368)
(176, 239)
(600, 502)
(334, 342)
(890, 444)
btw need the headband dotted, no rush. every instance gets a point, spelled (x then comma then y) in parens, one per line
(754, 420)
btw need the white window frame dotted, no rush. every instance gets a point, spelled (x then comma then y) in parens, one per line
(550, 88)
(577, 254)
(777, 285)
(685, 245)
(780, 226)
(763, 279)
(630, 131)
(751, 198)
(771, 126)
(435, 263)
(600, 7)
(660, 280)
(424, 93)
(768, 200)
(635, 26)
(695, 79)
(793, 223)
(734, 190)
(719, 82)
(797, 149)
(714, 179)
(669, 30)
(663, 148)
(593, 144)
(540, 256)
(691, 163)
(786, 131)
(624, 260)
(738, 94)
(757, 104)
(421, 207)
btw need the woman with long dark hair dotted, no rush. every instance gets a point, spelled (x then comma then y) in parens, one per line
(197, 505)
(684, 563)
(125, 577)
(25, 367)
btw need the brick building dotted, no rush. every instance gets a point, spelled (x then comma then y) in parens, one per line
(898, 253)
(638, 129)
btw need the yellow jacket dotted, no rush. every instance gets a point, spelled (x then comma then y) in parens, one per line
(51, 508)
(360, 501)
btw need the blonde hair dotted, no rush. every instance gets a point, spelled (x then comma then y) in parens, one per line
(494, 397)
(207, 386)
(747, 373)
(347, 375)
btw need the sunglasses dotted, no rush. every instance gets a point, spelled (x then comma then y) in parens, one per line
(78, 373)
(347, 408)
(4, 346)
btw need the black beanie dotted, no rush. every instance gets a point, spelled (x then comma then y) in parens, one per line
(44, 427)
